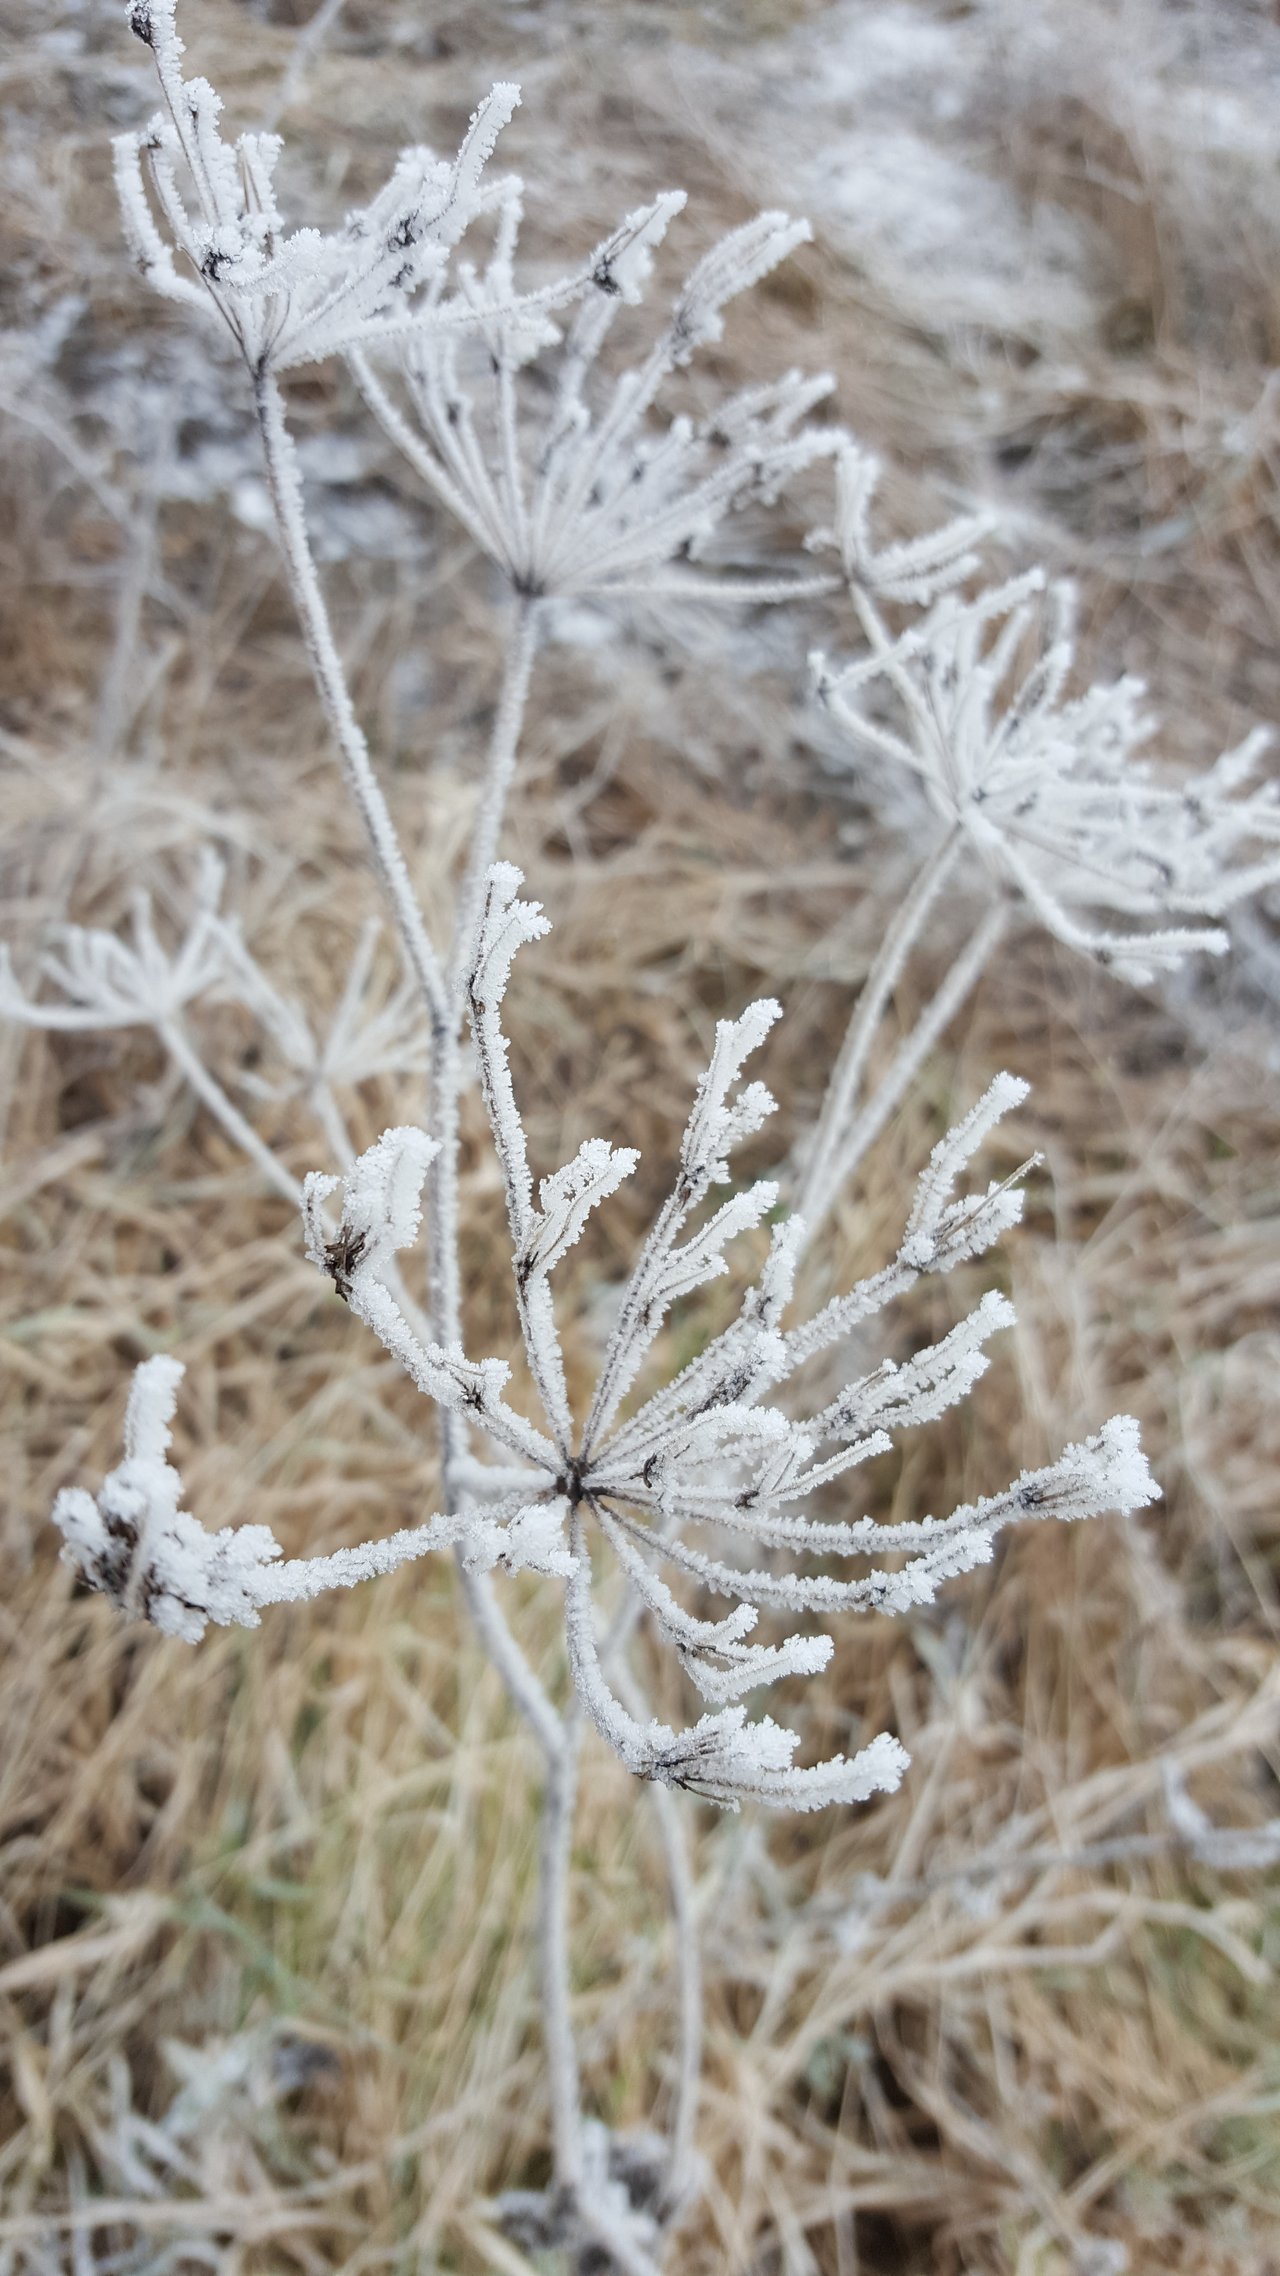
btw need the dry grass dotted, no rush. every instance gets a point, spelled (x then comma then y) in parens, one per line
(314, 1846)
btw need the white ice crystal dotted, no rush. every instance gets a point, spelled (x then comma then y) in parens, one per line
(1048, 794)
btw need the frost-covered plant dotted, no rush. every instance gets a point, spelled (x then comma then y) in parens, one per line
(288, 298)
(716, 1482)
(713, 1450)
(1039, 798)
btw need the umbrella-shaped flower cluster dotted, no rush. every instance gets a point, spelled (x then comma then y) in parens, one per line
(289, 297)
(1047, 791)
(707, 1484)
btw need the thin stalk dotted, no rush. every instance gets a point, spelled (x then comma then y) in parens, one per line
(688, 1956)
(285, 484)
(937, 1015)
(818, 1184)
(504, 743)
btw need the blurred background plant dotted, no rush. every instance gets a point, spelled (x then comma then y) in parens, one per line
(1013, 2018)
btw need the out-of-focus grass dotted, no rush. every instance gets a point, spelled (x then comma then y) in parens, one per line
(315, 1844)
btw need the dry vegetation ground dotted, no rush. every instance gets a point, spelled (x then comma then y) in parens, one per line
(265, 1972)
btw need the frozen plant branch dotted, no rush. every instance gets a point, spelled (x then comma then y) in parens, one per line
(134, 1543)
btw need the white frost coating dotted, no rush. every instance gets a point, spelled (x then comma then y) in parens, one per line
(568, 1197)
(713, 1447)
(722, 1757)
(137, 1546)
(105, 981)
(559, 470)
(1047, 793)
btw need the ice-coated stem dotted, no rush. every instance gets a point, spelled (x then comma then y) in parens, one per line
(285, 484)
(559, 1797)
(504, 742)
(672, 1828)
(936, 1017)
(822, 1171)
(558, 1746)
(688, 1957)
(209, 1091)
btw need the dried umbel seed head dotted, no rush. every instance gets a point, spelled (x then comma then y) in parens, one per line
(1048, 794)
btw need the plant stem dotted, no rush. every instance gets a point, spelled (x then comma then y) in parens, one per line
(209, 1091)
(557, 1736)
(286, 496)
(684, 2112)
(688, 1956)
(821, 1178)
(555, 1844)
(937, 1015)
(504, 742)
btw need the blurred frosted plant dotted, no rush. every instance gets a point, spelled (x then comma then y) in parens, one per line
(1044, 800)
(105, 981)
(556, 469)
(1049, 794)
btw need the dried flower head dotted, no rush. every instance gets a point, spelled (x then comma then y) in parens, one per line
(558, 470)
(1048, 793)
(104, 980)
(290, 298)
(714, 1453)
